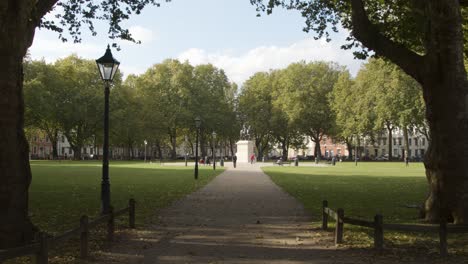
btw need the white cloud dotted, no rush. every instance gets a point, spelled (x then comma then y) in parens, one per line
(142, 34)
(240, 68)
(52, 49)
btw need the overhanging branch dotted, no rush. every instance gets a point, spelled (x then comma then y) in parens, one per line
(370, 36)
(41, 9)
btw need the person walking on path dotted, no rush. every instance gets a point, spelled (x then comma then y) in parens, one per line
(252, 158)
(234, 160)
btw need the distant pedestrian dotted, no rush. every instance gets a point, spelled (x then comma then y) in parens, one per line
(234, 160)
(252, 158)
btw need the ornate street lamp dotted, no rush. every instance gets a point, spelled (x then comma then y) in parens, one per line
(214, 149)
(185, 149)
(146, 143)
(197, 125)
(107, 66)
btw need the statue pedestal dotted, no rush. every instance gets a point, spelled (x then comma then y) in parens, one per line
(245, 149)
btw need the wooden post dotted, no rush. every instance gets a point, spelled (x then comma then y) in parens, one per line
(131, 213)
(324, 215)
(339, 226)
(42, 256)
(84, 236)
(378, 232)
(443, 238)
(110, 225)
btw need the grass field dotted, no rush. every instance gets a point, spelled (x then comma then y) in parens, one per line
(63, 191)
(363, 191)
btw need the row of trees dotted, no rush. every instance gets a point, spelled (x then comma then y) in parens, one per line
(318, 98)
(158, 106)
(283, 107)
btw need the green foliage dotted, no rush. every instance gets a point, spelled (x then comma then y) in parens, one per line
(293, 100)
(381, 97)
(303, 95)
(72, 15)
(405, 22)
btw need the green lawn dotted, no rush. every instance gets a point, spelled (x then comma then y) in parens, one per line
(363, 191)
(63, 191)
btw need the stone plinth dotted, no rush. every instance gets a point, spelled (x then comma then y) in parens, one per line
(245, 148)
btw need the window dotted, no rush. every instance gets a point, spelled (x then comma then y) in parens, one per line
(409, 141)
(91, 150)
(415, 141)
(63, 139)
(395, 151)
(34, 150)
(69, 151)
(394, 141)
(63, 150)
(423, 141)
(84, 150)
(422, 152)
(409, 153)
(399, 141)
(384, 141)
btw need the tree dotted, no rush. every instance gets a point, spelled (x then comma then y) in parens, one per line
(426, 40)
(125, 118)
(18, 22)
(303, 94)
(255, 109)
(346, 106)
(41, 107)
(80, 97)
(210, 99)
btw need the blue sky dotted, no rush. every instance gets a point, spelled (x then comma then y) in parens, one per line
(226, 33)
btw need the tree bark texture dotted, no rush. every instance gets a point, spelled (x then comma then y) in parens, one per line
(445, 89)
(441, 72)
(16, 34)
(406, 142)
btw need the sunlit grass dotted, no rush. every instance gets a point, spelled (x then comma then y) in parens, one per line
(63, 191)
(362, 191)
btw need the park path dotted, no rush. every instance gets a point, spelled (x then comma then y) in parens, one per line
(239, 217)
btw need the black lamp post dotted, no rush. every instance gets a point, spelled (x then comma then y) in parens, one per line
(197, 125)
(107, 66)
(146, 143)
(214, 149)
(185, 149)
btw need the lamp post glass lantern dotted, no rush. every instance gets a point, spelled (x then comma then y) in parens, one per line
(107, 66)
(214, 149)
(197, 127)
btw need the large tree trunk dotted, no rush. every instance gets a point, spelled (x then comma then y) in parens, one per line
(317, 150)
(54, 141)
(406, 142)
(15, 173)
(350, 149)
(445, 88)
(76, 152)
(173, 139)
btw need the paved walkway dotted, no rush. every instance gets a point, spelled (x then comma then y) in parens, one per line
(239, 217)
